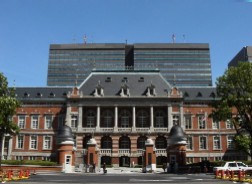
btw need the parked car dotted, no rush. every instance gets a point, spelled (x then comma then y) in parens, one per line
(233, 166)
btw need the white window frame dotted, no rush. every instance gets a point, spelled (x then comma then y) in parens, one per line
(216, 143)
(188, 122)
(229, 124)
(216, 124)
(74, 121)
(48, 121)
(34, 122)
(230, 142)
(19, 142)
(203, 145)
(202, 122)
(32, 158)
(175, 119)
(33, 142)
(189, 145)
(19, 158)
(21, 122)
(47, 142)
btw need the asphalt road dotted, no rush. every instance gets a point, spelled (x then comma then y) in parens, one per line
(77, 178)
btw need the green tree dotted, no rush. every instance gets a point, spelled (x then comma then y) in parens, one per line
(8, 106)
(234, 91)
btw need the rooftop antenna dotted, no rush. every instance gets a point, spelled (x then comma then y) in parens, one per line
(126, 41)
(184, 38)
(173, 38)
(174, 80)
(85, 39)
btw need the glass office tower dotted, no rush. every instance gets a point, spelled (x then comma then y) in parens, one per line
(70, 64)
(180, 64)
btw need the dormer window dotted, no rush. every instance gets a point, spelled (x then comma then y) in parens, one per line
(151, 91)
(51, 95)
(26, 94)
(141, 79)
(99, 90)
(124, 90)
(39, 94)
(108, 79)
(186, 94)
(212, 95)
(125, 79)
(199, 94)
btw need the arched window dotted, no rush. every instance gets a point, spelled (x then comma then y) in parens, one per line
(142, 119)
(141, 142)
(107, 119)
(124, 143)
(90, 118)
(124, 119)
(161, 142)
(106, 143)
(159, 120)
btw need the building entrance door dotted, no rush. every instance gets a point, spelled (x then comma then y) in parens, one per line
(68, 165)
(124, 161)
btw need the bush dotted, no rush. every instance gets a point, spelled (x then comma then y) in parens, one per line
(29, 162)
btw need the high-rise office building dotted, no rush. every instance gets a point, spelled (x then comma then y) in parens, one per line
(180, 64)
(244, 55)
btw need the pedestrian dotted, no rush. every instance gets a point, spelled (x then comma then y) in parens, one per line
(94, 167)
(104, 168)
(164, 166)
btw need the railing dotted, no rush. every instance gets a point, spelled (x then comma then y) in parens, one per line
(105, 152)
(140, 152)
(124, 129)
(106, 129)
(88, 130)
(142, 129)
(124, 152)
(160, 129)
(161, 152)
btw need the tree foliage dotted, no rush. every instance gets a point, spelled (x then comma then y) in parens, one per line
(234, 89)
(8, 106)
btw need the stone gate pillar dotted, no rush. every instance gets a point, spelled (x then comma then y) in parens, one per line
(92, 152)
(149, 156)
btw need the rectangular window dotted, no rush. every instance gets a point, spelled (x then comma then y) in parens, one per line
(189, 160)
(74, 121)
(33, 142)
(32, 158)
(48, 121)
(230, 142)
(188, 122)
(203, 158)
(202, 122)
(21, 121)
(217, 142)
(175, 119)
(216, 125)
(217, 158)
(229, 124)
(46, 158)
(20, 142)
(189, 145)
(47, 143)
(35, 122)
(19, 157)
(203, 143)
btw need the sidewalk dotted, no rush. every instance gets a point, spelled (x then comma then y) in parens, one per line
(126, 170)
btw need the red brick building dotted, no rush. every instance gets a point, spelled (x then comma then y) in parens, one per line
(120, 110)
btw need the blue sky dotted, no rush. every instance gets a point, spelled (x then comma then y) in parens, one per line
(28, 27)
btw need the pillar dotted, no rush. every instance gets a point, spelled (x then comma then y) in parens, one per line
(149, 156)
(80, 118)
(68, 117)
(92, 152)
(133, 119)
(66, 149)
(169, 112)
(10, 148)
(151, 119)
(98, 118)
(116, 119)
(181, 116)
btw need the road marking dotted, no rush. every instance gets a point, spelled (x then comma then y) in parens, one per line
(138, 180)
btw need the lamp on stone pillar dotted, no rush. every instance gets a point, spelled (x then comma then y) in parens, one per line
(150, 156)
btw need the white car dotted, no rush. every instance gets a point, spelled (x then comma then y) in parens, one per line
(233, 166)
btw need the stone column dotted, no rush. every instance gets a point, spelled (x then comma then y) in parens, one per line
(133, 119)
(68, 117)
(116, 119)
(98, 119)
(79, 128)
(151, 119)
(10, 148)
(169, 111)
(181, 116)
(3, 141)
